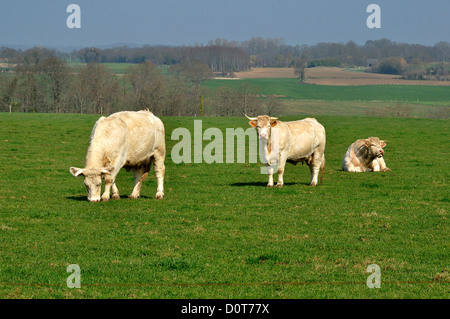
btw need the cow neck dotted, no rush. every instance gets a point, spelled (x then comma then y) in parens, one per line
(367, 158)
(95, 155)
(266, 148)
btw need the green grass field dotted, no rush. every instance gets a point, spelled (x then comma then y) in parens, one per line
(291, 89)
(219, 232)
(411, 101)
(115, 68)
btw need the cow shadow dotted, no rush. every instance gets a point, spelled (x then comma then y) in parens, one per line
(259, 184)
(77, 198)
(83, 198)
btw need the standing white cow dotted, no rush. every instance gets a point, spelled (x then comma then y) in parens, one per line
(298, 141)
(132, 140)
(365, 155)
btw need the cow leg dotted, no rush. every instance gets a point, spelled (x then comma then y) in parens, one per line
(280, 172)
(382, 164)
(280, 177)
(160, 170)
(109, 182)
(314, 167)
(375, 166)
(354, 169)
(115, 192)
(270, 172)
(139, 177)
(349, 167)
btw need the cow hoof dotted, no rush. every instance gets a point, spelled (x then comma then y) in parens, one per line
(279, 185)
(313, 184)
(134, 196)
(159, 196)
(104, 199)
(269, 185)
(115, 197)
(386, 169)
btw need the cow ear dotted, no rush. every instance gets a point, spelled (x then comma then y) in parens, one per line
(273, 123)
(383, 144)
(253, 123)
(367, 143)
(107, 171)
(76, 171)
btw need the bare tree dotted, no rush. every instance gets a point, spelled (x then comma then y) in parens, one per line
(56, 72)
(9, 90)
(147, 87)
(77, 97)
(30, 90)
(225, 101)
(195, 72)
(180, 99)
(273, 106)
(95, 90)
(299, 70)
(236, 102)
(247, 100)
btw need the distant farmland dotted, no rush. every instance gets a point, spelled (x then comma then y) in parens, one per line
(341, 96)
(290, 88)
(116, 68)
(335, 76)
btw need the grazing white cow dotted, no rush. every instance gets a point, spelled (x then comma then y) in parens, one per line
(132, 140)
(365, 155)
(298, 141)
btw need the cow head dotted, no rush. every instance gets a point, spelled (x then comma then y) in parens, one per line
(375, 146)
(92, 180)
(263, 124)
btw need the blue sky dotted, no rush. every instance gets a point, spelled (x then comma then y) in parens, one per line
(181, 22)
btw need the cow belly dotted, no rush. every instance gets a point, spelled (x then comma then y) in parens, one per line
(295, 160)
(142, 144)
(300, 153)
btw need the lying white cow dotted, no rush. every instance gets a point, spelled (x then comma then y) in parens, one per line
(298, 141)
(132, 140)
(365, 155)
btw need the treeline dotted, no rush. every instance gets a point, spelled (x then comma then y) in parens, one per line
(276, 53)
(231, 56)
(221, 59)
(40, 80)
(222, 55)
(48, 85)
(414, 70)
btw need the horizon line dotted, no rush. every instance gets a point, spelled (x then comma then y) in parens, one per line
(72, 47)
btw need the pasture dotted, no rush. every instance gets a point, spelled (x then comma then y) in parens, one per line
(219, 232)
(412, 101)
(335, 76)
(291, 89)
(115, 68)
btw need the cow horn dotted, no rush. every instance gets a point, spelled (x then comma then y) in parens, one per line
(251, 118)
(273, 118)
